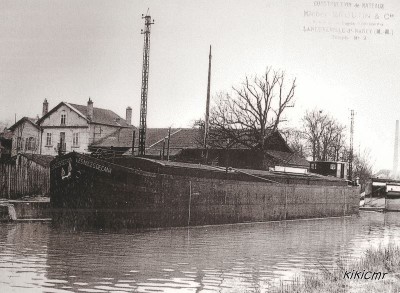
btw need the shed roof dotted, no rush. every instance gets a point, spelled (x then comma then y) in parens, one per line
(43, 160)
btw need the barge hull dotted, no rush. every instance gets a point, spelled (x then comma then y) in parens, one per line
(99, 194)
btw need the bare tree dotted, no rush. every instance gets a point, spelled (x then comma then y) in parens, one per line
(363, 167)
(338, 148)
(296, 140)
(314, 124)
(324, 135)
(331, 140)
(252, 111)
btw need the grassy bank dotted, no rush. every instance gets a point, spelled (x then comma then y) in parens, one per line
(383, 260)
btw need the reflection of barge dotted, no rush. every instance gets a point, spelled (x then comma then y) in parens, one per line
(141, 193)
(392, 197)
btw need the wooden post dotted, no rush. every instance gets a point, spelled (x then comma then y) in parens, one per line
(9, 180)
(163, 150)
(133, 143)
(286, 202)
(190, 200)
(385, 209)
(169, 137)
(227, 155)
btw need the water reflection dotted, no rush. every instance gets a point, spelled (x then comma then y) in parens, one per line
(228, 258)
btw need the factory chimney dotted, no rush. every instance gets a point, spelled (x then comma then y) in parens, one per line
(396, 151)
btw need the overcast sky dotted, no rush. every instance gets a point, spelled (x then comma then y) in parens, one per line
(66, 50)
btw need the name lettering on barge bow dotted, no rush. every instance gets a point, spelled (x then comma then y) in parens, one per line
(94, 165)
(61, 163)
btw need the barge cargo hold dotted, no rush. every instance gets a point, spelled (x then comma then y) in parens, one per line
(144, 193)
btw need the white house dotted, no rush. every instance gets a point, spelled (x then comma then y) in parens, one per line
(72, 127)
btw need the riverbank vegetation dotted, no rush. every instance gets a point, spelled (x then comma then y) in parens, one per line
(378, 260)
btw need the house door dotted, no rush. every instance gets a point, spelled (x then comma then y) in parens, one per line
(62, 142)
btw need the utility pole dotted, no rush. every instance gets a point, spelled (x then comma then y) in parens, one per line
(145, 79)
(207, 108)
(351, 146)
(169, 138)
(133, 142)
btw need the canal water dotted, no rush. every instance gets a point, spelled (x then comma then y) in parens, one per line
(36, 257)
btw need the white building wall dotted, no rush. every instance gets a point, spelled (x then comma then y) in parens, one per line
(23, 132)
(72, 118)
(74, 123)
(52, 149)
(98, 131)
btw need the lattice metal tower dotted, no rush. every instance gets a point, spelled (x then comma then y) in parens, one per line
(145, 83)
(351, 146)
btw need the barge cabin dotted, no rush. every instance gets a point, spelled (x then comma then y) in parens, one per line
(329, 168)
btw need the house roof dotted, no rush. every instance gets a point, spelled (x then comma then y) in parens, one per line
(288, 158)
(120, 138)
(180, 138)
(189, 138)
(22, 120)
(100, 116)
(273, 140)
(43, 160)
(6, 135)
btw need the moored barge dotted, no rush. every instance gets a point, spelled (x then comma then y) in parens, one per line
(146, 193)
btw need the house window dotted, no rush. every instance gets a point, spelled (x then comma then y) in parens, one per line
(75, 139)
(30, 144)
(48, 139)
(313, 166)
(333, 166)
(63, 118)
(19, 143)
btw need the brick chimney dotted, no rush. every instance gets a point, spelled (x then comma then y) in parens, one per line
(45, 107)
(128, 116)
(90, 109)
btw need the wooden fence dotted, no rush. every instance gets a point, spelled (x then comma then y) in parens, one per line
(17, 180)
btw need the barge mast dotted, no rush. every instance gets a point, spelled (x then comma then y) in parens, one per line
(207, 108)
